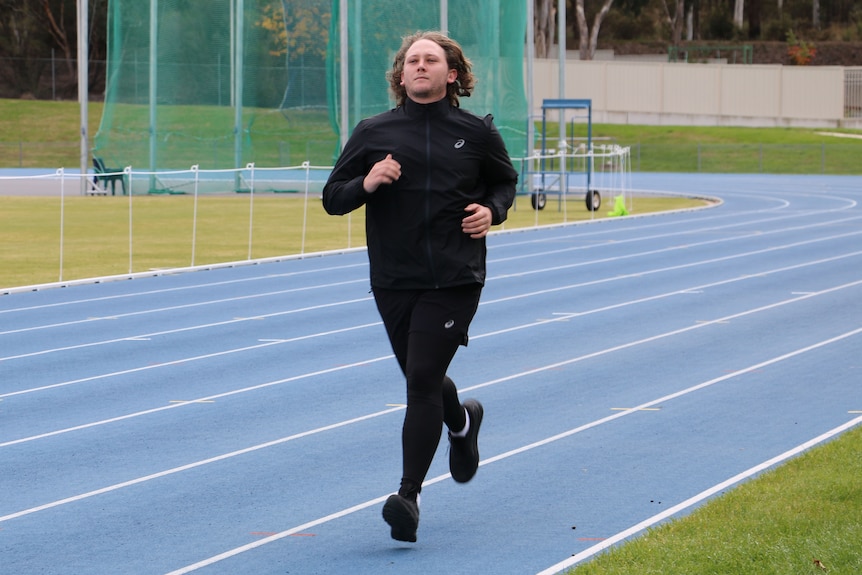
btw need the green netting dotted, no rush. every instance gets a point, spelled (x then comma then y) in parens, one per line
(492, 33)
(222, 83)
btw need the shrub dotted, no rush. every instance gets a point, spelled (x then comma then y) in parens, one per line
(801, 52)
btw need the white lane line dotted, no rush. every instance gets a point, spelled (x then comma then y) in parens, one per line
(617, 258)
(735, 216)
(164, 291)
(670, 512)
(182, 360)
(555, 268)
(183, 306)
(189, 466)
(783, 204)
(506, 455)
(298, 529)
(540, 322)
(305, 272)
(675, 292)
(192, 402)
(305, 526)
(699, 226)
(697, 325)
(485, 302)
(531, 256)
(640, 239)
(183, 329)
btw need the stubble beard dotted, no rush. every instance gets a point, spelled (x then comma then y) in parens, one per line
(429, 93)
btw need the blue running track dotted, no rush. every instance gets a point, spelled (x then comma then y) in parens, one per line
(247, 419)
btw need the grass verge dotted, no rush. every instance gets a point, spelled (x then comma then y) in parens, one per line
(799, 518)
(173, 231)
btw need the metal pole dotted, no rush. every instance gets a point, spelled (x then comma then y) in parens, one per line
(344, 74)
(344, 78)
(444, 16)
(83, 88)
(561, 41)
(493, 39)
(527, 165)
(356, 39)
(53, 76)
(154, 63)
(531, 54)
(238, 78)
(232, 49)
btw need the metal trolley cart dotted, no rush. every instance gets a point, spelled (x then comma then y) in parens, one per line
(568, 167)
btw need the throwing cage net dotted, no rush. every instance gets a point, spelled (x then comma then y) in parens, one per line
(224, 83)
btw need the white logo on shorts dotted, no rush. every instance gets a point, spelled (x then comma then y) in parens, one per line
(449, 324)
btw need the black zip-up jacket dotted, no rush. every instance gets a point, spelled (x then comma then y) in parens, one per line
(449, 159)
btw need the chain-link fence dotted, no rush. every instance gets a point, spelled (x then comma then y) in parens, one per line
(50, 77)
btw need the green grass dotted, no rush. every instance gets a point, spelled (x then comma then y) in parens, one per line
(732, 149)
(40, 134)
(45, 134)
(271, 139)
(777, 524)
(737, 150)
(96, 238)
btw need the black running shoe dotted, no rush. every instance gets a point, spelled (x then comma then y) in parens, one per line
(402, 514)
(464, 451)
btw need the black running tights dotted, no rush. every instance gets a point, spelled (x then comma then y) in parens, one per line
(424, 342)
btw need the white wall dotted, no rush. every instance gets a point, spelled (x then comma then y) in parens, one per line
(666, 93)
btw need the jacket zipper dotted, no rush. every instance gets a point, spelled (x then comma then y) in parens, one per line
(428, 199)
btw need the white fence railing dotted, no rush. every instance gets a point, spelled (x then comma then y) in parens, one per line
(253, 214)
(853, 92)
(244, 187)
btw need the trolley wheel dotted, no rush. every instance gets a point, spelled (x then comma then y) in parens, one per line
(538, 201)
(594, 200)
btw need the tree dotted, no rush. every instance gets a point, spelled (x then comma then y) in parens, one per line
(57, 27)
(588, 40)
(738, 12)
(677, 21)
(543, 26)
(754, 8)
(293, 23)
(31, 29)
(20, 37)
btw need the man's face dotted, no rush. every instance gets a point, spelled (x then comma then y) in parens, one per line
(426, 72)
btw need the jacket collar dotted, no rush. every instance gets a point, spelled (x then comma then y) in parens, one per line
(438, 108)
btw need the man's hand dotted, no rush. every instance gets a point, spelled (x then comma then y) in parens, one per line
(383, 172)
(478, 222)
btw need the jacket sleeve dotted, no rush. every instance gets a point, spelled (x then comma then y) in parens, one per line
(343, 191)
(500, 177)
